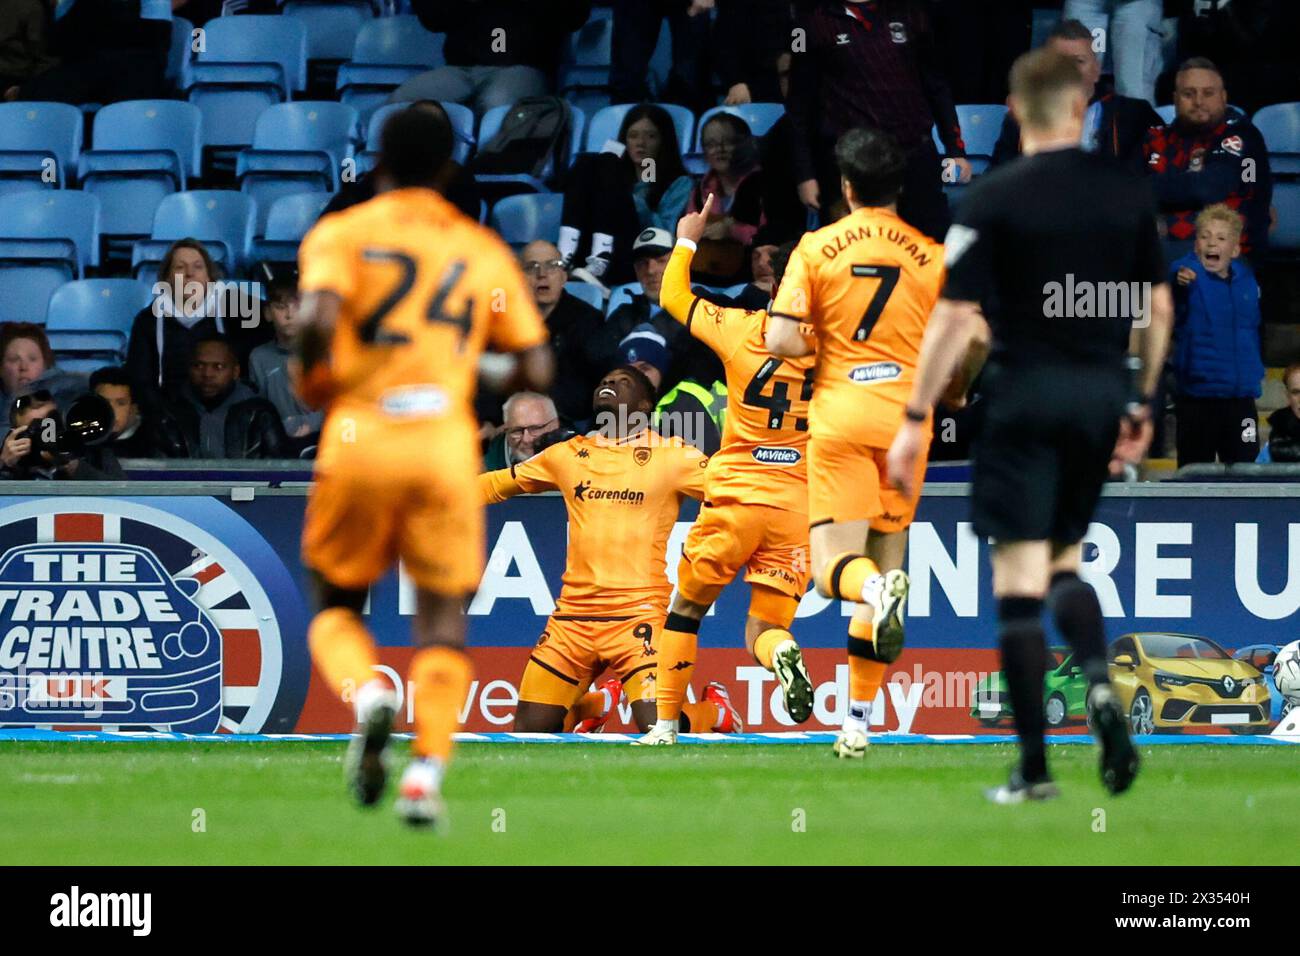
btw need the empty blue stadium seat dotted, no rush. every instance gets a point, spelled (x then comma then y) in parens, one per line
(622, 295)
(604, 125)
(587, 292)
(521, 219)
(47, 238)
(223, 220)
(981, 125)
(143, 151)
(587, 57)
(34, 134)
(760, 117)
(1167, 113)
(297, 147)
(1280, 124)
(94, 316)
(231, 44)
(248, 64)
(288, 221)
(331, 30)
(180, 53)
(1285, 238)
(388, 51)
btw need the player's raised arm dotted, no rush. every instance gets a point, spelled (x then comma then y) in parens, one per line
(791, 305)
(675, 295)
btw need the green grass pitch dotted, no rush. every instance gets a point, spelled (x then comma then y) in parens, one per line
(284, 803)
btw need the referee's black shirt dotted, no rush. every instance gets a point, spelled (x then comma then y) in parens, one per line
(1042, 242)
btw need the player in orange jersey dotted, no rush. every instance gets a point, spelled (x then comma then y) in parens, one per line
(623, 486)
(755, 512)
(401, 295)
(866, 284)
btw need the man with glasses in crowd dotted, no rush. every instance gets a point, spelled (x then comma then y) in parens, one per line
(574, 328)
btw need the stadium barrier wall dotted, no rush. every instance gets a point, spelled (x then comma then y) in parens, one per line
(183, 605)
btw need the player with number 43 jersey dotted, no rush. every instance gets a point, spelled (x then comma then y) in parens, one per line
(866, 284)
(755, 513)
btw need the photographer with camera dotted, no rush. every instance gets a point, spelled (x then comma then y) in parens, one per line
(43, 443)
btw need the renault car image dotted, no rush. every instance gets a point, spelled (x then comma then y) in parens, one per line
(1175, 681)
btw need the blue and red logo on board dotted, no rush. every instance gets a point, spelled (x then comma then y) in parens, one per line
(118, 615)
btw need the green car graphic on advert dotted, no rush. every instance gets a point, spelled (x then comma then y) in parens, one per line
(1065, 692)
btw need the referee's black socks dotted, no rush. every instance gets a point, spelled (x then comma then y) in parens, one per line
(1024, 663)
(1078, 617)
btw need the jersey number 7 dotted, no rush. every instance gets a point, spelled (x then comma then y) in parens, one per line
(888, 276)
(372, 332)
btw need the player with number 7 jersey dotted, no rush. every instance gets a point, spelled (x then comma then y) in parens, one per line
(866, 285)
(755, 512)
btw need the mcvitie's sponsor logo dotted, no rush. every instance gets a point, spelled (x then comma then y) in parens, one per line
(768, 455)
(876, 372)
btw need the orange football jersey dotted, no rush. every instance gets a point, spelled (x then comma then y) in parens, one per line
(765, 436)
(867, 285)
(622, 498)
(425, 289)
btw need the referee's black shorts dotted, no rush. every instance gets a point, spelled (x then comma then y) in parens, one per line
(1042, 449)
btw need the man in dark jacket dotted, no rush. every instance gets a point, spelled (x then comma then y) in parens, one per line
(1114, 125)
(1284, 438)
(109, 53)
(497, 51)
(574, 328)
(1207, 156)
(872, 63)
(133, 437)
(219, 416)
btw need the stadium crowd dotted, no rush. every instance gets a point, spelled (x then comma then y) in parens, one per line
(193, 377)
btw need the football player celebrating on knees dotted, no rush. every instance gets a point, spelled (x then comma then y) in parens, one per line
(865, 285)
(623, 486)
(401, 295)
(755, 512)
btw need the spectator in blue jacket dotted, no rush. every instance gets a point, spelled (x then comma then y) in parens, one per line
(1216, 353)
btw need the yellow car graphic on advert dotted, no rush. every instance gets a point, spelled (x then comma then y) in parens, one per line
(1171, 681)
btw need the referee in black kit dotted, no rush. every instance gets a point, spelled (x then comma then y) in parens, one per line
(1065, 244)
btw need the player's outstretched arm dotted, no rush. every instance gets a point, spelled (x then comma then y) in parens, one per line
(675, 295)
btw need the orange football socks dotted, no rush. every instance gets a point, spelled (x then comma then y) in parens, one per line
(442, 676)
(342, 650)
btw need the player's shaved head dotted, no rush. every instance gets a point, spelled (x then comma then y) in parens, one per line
(872, 163)
(1044, 83)
(414, 146)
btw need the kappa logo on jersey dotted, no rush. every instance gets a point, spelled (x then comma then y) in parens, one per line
(841, 39)
(583, 491)
(875, 372)
(767, 455)
(101, 633)
(955, 244)
(1234, 145)
(898, 32)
